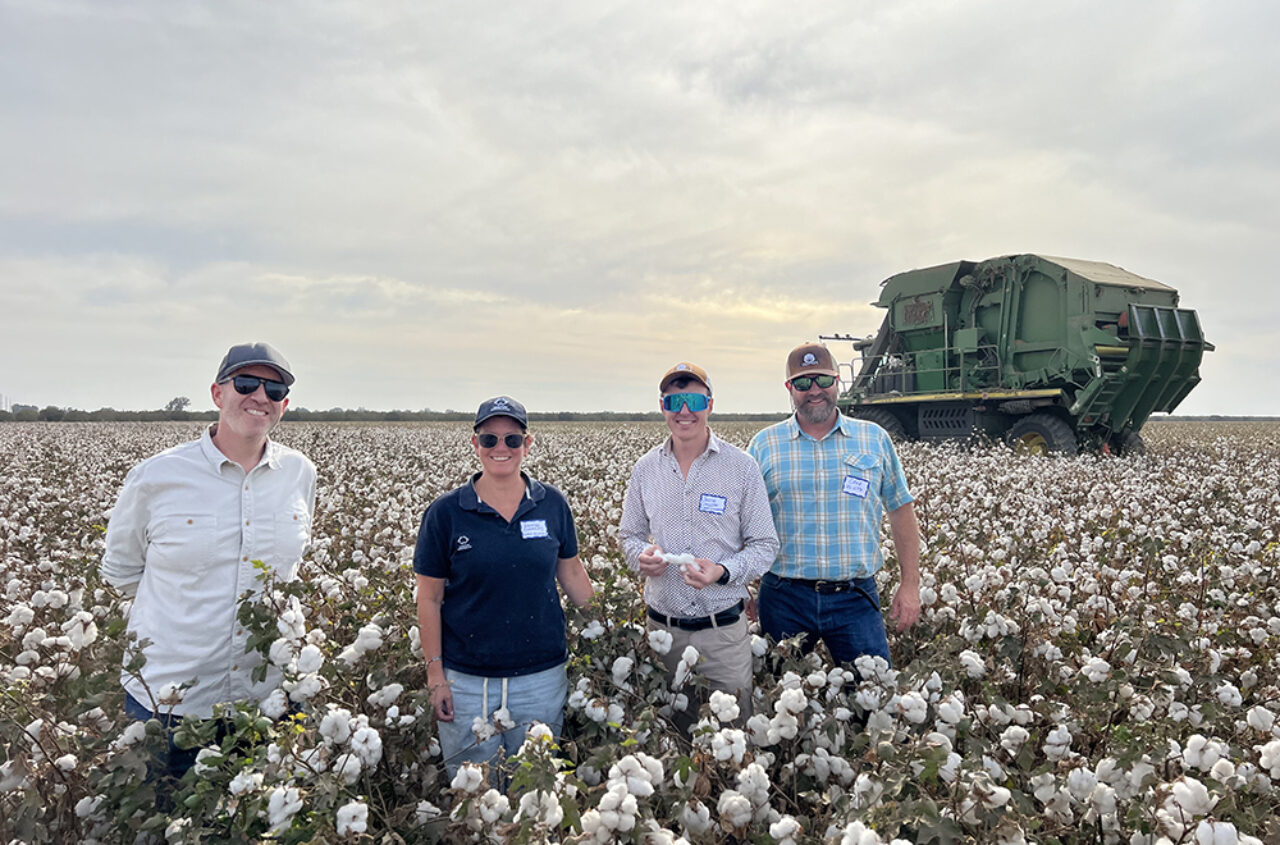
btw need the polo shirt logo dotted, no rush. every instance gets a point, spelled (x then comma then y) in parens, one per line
(464, 543)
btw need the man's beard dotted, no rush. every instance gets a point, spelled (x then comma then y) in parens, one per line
(815, 414)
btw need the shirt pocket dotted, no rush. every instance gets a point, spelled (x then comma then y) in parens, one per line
(861, 476)
(292, 538)
(181, 546)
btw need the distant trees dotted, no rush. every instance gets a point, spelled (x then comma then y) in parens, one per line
(176, 410)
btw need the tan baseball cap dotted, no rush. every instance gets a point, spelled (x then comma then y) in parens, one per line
(811, 359)
(684, 368)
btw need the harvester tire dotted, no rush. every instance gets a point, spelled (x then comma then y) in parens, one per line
(1042, 434)
(1128, 445)
(886, 420)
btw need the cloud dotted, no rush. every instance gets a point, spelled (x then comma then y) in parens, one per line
(428, 201)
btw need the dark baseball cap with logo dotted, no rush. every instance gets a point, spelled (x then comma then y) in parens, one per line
(247, 354)
(502, 406)
(811, 359)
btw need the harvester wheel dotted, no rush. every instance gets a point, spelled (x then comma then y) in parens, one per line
(886, 420)
(1042, 434)
(1128, 444)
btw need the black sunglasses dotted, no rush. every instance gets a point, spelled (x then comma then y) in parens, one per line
(513, 441)
(276, 390)
(803, 383)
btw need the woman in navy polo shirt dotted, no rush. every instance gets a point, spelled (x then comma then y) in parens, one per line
(493, 632)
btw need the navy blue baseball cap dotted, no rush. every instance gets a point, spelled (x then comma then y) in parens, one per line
(247, 354)
(502, 406)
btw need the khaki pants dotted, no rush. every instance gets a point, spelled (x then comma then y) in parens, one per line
(724, 661)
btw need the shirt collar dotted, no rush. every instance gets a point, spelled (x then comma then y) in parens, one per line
(270, 457)
(793, 426)
(534, 491)
(713, 444)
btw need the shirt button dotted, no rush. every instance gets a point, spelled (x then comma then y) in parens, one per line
(235, 667)
(246, 522)
(246, 487)
(245, 558)
(190, 521)
(239, 631)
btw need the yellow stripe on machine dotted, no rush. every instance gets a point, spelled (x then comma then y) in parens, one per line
(982, 395)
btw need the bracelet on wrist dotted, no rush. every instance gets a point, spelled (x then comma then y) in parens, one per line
(431, 660)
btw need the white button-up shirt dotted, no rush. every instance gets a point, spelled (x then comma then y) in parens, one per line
(184, 535)
(719, 513)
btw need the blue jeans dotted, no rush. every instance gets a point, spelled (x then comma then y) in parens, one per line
(848, 621)
(173, 762)
(539, 697)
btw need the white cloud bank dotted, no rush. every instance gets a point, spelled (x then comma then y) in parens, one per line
(425, 204)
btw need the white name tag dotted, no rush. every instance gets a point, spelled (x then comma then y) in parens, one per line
(855, 486)
(531, 529)
(711, 504)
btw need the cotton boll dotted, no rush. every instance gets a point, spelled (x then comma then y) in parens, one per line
(660, 640)
(274, 705)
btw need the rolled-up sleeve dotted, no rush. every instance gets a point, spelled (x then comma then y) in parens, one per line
(126, 546)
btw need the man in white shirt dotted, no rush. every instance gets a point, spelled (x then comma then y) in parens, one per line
(185, 534)
(697, 495)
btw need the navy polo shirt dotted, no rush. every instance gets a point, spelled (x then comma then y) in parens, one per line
(501, 615)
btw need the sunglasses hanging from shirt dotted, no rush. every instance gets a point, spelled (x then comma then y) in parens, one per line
(276, 390)
(695, 402)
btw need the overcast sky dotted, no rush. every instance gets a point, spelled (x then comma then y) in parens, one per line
(425, 204)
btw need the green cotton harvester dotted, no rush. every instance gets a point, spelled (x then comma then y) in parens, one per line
(1051, 354)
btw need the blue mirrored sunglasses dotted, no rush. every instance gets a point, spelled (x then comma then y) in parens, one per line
(695, 402)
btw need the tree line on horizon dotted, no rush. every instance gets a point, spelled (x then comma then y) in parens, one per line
(176, 411)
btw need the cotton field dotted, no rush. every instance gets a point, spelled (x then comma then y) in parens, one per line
(1097, 662)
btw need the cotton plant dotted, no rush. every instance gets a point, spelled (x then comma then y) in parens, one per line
(1036, 575)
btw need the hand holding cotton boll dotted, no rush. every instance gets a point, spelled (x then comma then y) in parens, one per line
(697, 572)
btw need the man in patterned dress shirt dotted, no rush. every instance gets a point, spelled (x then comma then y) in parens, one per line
(830, 479)
(698, 495)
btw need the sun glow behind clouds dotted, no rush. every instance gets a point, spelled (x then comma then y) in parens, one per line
(394, 196)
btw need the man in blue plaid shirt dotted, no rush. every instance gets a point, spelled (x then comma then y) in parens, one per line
(830, 478)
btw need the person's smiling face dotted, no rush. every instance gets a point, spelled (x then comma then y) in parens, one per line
(815, 405)
(249, 415)
(687, 426)
(500, 460)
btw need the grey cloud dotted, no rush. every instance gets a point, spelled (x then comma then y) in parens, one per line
(349, 164)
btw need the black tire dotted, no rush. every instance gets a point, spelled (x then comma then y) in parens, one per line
(1042, 434)
(886, 419)
(1128, 445)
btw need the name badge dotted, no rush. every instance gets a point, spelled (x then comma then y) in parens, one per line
(711, 504)
(532, 529)
(855, 486)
